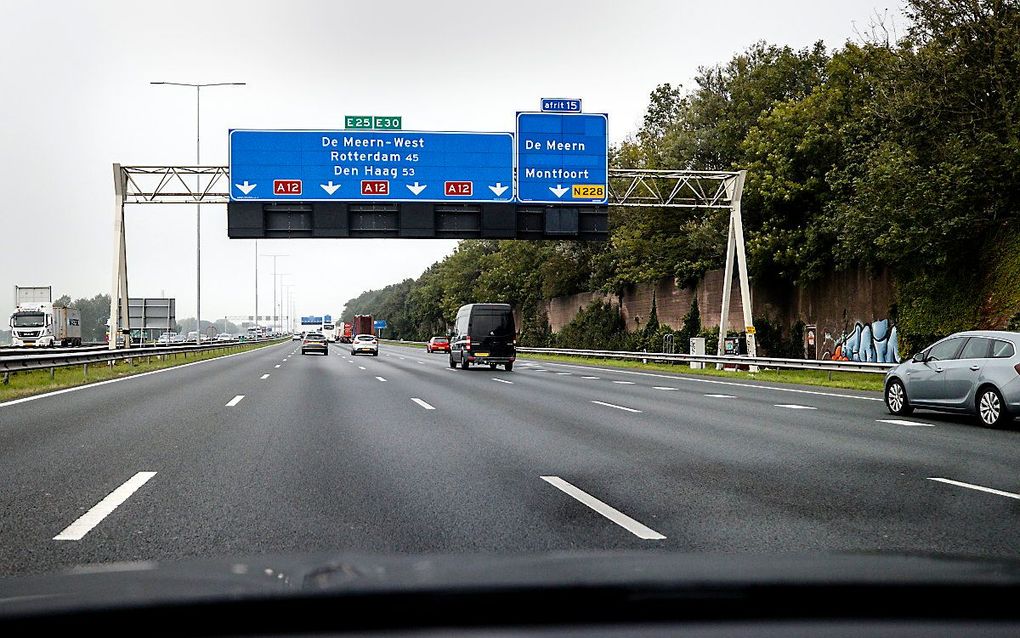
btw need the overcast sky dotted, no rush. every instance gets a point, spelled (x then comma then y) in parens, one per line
(76, 98)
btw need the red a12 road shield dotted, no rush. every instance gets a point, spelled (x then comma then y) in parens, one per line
(286, 187)
(462, 189)
(375, 187)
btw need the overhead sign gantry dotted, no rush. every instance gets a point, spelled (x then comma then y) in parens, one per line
(552, 184)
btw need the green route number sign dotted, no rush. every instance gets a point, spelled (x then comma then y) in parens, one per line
(370, 122)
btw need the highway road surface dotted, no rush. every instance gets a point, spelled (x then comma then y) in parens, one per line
(269, 451)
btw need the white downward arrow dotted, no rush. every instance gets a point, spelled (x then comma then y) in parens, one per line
(498, 189)
(245, 187)
(559, 190)
(416, 188)
(330, 187)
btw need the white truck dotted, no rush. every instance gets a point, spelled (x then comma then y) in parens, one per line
(37, 322)
(329, 329)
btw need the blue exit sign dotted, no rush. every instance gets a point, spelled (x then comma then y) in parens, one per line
(560, 105)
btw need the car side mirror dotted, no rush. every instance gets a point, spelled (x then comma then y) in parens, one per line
(918, 358)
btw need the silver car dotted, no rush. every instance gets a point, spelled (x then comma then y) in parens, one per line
(976, 372)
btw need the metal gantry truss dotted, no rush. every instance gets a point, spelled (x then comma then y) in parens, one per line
(629, 187)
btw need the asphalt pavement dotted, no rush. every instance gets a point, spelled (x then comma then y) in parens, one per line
(269, 451)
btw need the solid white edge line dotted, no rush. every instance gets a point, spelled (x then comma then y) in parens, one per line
(234, 401)
(909, 424)
(422, 403)
(502, 380)
(971, 486)
(84, 524)
(693, 379)
(613, 514)
(618, 407)
(77, 388)
(264, 377)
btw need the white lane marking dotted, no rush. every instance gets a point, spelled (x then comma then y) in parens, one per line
(693, 379)
(915, 424)
(662, 387)
(502, 380)
(78, 529)
(361, 367)
(284, 359)
(539, 369)
(89, 386)
(381, 379)
(422, 403)
(235, 401)
(624, 382)
(613, 405)
(613, 514)
(971, 486)
(264, 377)
(277, 365)
(589, 377)
(403, 358)
(794, 406)
(421, 362)
(721, 396)
(564, 373)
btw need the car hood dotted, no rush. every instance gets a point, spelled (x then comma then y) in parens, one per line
(271, 577)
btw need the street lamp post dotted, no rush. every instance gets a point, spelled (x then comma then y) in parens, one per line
(198, 207)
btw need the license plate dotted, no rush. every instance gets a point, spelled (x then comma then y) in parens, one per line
(481, 354)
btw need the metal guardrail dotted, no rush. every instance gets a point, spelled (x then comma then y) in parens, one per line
(761, 362)
(74, 357)
(730, 360)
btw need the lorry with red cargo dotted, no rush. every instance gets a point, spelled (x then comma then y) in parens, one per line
(363, 325)
(346, 332)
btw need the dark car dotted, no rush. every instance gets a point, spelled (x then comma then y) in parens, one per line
(484, 333)
(314, 342)
(438, 344)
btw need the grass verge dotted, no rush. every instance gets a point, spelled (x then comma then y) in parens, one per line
(23, 384)
(845, 380)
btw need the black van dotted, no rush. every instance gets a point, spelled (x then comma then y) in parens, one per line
(484, 333)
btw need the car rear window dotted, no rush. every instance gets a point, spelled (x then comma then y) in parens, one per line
(1002, 349)
(492, 323)
(365, 337)
(441, 339)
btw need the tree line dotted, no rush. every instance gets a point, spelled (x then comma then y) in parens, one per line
(895, 154)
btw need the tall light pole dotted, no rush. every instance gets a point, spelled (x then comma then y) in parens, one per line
(287, 313)
(275, 257)
(281, 276)
(198, 207)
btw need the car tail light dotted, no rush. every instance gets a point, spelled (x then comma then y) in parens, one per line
(468, 345)
(1017, 368)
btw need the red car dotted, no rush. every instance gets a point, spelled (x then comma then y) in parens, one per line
(438, 344)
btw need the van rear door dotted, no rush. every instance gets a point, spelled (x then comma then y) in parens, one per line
(492, 329)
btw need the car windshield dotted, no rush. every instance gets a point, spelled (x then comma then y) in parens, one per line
(730, 280)
(28, 320)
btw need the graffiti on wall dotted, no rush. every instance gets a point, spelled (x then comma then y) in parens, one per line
(877, 341)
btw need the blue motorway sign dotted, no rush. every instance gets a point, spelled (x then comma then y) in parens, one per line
(276, 166)
(561, 105)
(311, 321)
(327, 318)
(562, 158)
(379, 324)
